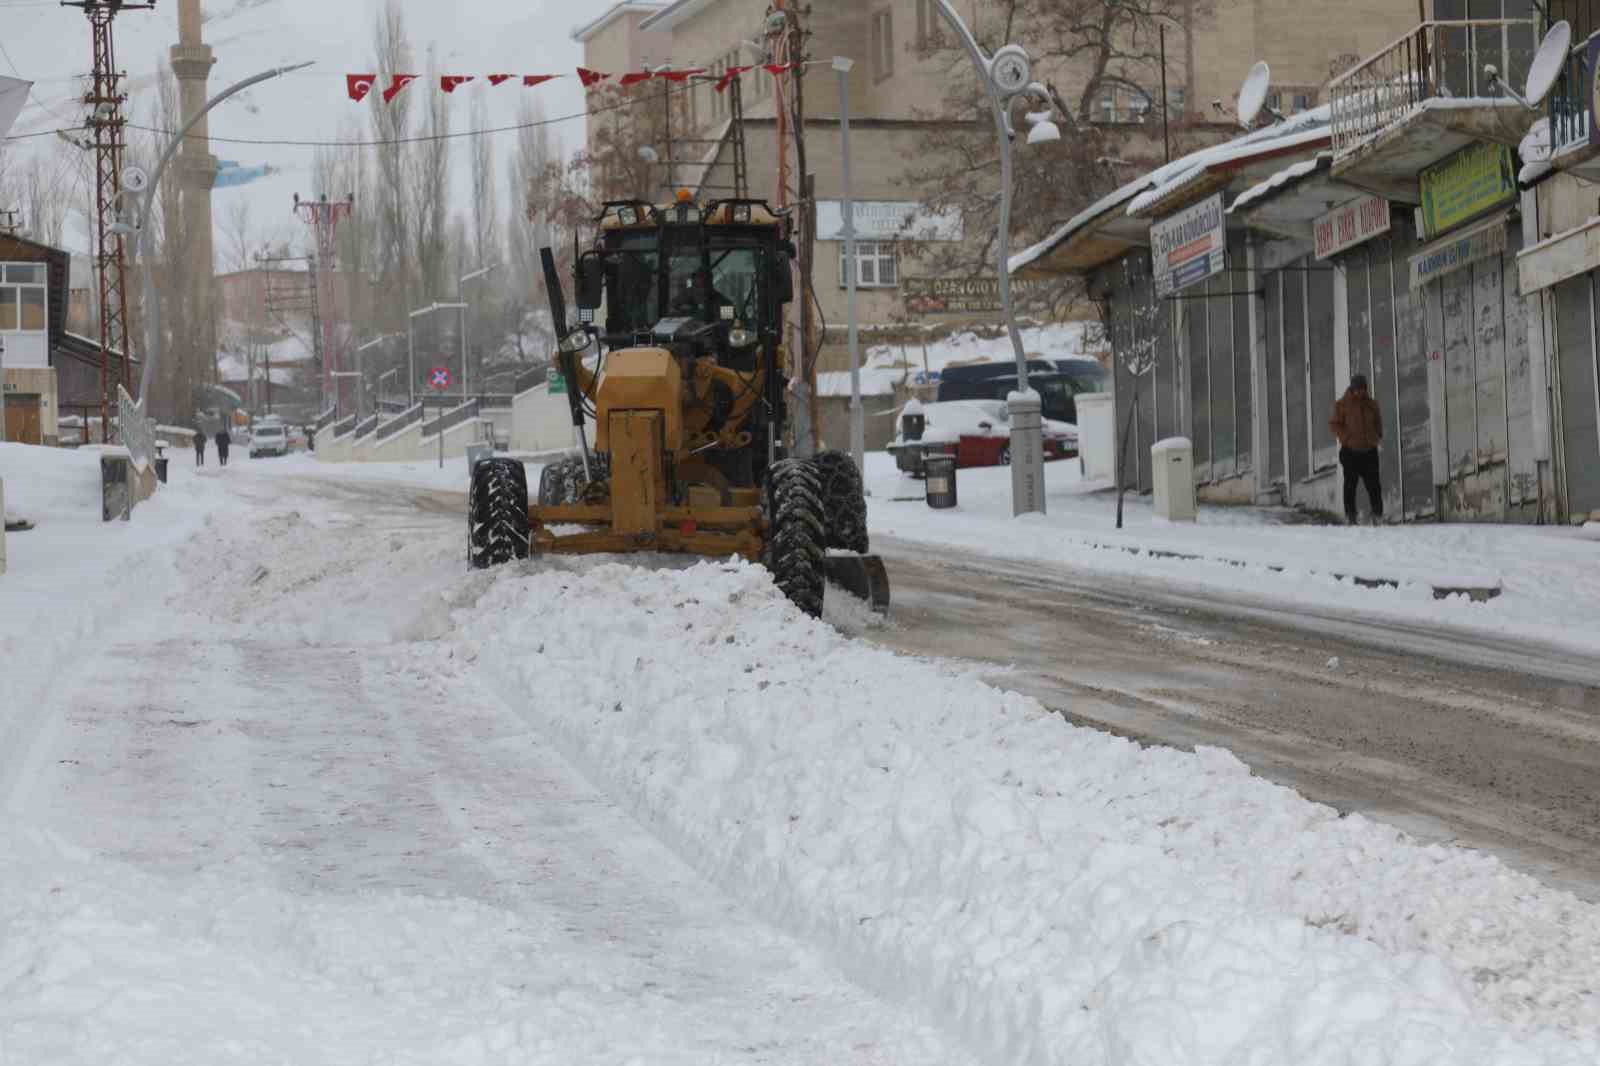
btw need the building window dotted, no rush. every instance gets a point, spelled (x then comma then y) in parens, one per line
(22, 298)
(882, 44)
(1176, 102)
(1120, 104)
(1302, 102)
(876, 266)
(928, 24)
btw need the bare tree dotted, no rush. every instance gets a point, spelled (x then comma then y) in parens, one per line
(485, 201)
(1085, 52)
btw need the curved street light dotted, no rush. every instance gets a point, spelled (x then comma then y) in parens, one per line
(1007, 76)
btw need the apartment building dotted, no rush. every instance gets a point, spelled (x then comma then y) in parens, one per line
(896, 95)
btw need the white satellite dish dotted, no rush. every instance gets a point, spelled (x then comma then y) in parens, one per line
(134, 179)
(1253, 93)
(1548, 62)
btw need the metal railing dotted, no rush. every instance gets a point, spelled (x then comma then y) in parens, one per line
(1568, 106)
(531, 379)
(367, 426)
(345, 425)
(395, 425)
(448, 420)
(1439, 60)
(326, 419)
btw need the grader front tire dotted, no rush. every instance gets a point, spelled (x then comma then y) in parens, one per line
(497, 514)
(796, 551)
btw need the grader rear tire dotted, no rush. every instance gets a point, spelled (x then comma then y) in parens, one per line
(844, 501)
(796, 551)
(497, 514)
(562, 482)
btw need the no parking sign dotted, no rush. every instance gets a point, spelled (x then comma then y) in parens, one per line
(439, 378)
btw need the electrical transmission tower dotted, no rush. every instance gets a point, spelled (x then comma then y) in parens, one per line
(106, 126)
(324, 216)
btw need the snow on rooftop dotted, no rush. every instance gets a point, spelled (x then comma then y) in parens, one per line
(1288, 174)
(1303, 128)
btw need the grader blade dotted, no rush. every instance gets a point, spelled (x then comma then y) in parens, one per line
(863, 576)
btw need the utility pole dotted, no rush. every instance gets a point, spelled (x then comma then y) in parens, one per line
(106, 126)
(324, 217)
(786, 24)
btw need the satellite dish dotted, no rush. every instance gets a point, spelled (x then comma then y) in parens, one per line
(1548, 62)
(1253, 93)
(134, 179)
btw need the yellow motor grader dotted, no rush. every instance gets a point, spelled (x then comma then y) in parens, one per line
(683, 305)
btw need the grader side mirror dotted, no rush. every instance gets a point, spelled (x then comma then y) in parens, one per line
(782, 281)
(591, 283)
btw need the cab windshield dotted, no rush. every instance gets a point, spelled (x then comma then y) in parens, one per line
(634, 298)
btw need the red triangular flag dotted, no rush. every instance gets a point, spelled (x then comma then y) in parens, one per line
(636, 78)
(727, 79)
(450, 82)
(591, 77)
(400, 82)
(680, 75)
(778, 68)
(498, 79)
(359, 85)
(530, 80)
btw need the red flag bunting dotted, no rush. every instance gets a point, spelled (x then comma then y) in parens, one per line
(591, 77)
(450, 82)
(359, 85)
(400, 82)
(778, 68)
(727, 79)
(530, 80)
(636, 78)
(680, 75)
(497, 79)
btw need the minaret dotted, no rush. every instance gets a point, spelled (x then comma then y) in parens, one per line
(192, 61)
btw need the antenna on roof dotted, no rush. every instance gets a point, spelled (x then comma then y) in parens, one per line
(1253, 95)
(1548, 63)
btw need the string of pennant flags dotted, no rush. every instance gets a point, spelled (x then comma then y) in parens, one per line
(360, 86)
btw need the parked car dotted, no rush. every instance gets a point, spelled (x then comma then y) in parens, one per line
(268, 439)
(297, 438)
(976, 432)
(1057, 381)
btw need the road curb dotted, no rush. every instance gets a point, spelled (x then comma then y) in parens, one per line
(1476, 593)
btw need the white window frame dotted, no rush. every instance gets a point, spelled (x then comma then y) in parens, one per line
(13, 290)
(874, 259)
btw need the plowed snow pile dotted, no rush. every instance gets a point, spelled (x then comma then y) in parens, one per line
(1057, 894)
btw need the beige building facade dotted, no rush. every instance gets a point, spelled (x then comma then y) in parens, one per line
(895, 93)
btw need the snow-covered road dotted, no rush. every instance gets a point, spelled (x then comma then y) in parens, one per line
(346, 850)
(328, 797)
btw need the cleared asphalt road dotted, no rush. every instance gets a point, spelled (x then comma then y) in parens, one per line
(1483, 742)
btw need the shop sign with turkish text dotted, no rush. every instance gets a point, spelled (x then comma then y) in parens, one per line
(1349, 224)
(1188, 246)
(1476, 179)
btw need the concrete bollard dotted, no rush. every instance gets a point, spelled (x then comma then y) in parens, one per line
(1172, 471)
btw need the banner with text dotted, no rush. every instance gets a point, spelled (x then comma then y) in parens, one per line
(1189, 246)
(961, 296)
(1349, 224)
(888, 220)
(1476, 179)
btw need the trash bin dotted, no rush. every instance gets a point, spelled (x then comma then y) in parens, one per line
(161, 470)
(941, 480)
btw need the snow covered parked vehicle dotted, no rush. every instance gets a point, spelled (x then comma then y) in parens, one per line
(976, 432)
(268, 439)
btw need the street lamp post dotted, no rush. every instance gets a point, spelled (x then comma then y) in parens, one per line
(1005, 75)
(152, 303)
(466, 349)
(842, 65)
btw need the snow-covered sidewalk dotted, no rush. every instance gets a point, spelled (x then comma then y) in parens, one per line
(1548, 577)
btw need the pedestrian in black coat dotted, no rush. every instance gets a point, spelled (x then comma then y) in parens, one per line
(199, 447)
(222, 446)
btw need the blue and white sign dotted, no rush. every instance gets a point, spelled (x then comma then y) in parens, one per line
(1189, 246)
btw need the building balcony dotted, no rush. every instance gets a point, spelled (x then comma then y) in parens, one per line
(1570, 144)
(1425, 97)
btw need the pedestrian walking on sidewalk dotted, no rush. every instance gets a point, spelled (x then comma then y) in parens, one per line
(199, 446)
(1358, 424)
(222, 446)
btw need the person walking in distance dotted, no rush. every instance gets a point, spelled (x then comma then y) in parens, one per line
(1358, 424)
(199, 446)
(222, 446)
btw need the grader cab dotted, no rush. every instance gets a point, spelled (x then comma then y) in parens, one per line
(678, 362)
